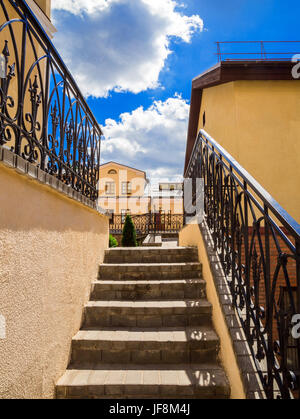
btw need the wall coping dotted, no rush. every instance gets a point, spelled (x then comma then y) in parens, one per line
(32, 172)
(44, 20)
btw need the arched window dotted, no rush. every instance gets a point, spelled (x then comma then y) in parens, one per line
(112, 172)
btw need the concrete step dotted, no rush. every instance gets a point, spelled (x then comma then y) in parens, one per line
(151, 255)
(149, 271)
(148, 290)
(148, 313)
(140, 381)
(144, 346)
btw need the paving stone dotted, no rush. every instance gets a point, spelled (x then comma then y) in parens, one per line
(157, 381)
(147, 255)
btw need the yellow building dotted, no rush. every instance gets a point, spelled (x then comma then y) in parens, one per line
(252, 110)
(166, 198)
(122, 189)
(126, 190)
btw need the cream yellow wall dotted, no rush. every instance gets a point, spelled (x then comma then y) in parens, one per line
(45, 5)
(50, 251)
(191, 236)
(134, 205)
(118, 201)
(175, 206)
(258, 123)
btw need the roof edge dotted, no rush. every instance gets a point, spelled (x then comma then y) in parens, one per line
(124, 165)
(226, 72)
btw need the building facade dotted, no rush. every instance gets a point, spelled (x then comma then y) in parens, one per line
(122, 189)
(126, 190)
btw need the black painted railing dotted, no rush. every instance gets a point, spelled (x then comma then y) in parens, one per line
(44, 117)
(259, 247)
(154, 223)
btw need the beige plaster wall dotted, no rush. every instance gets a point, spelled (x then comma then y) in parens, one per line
(191, 236)
(50, 251)
(258, 123)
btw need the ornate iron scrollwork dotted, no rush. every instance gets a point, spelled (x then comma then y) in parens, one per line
(149, 223)
(43, 116)
(254, 240)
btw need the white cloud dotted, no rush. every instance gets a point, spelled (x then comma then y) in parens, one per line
(79, 6)
(119, 45)
(152, 139)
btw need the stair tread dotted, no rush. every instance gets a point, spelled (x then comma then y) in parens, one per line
(136, 346)
(150, 304)
(184, 375)
(151, 282)
(196, 334)
(144, 264)
(147, 248)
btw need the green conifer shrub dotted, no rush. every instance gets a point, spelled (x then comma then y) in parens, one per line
(129, 233)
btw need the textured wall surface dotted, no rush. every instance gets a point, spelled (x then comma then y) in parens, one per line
(50, 251)
(191, 236)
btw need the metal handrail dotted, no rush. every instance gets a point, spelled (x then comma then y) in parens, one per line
(258, 244)
(287, 220)
(40, 30)
(262, 53)
(46, 119)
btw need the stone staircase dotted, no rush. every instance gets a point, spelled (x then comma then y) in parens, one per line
(147, 331)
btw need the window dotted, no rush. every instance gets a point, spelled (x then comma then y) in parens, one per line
(170, 186)
(126, 188)
(204, 119)
(124, 213)
(112, 172)
(110, 188)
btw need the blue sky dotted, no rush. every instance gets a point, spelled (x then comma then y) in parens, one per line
(135, 60)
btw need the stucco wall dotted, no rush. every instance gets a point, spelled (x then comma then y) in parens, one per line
(258, 123)
(50, 251)
(191, 236)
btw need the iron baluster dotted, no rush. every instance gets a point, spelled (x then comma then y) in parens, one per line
(44, 118)
(232, 200)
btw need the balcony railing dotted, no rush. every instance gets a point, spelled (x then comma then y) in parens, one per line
(44, 118)
(154, 223)
(257, 50)
(259, 247)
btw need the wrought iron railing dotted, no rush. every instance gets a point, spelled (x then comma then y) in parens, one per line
(155, 223)
(259, 247)
(44, 118)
